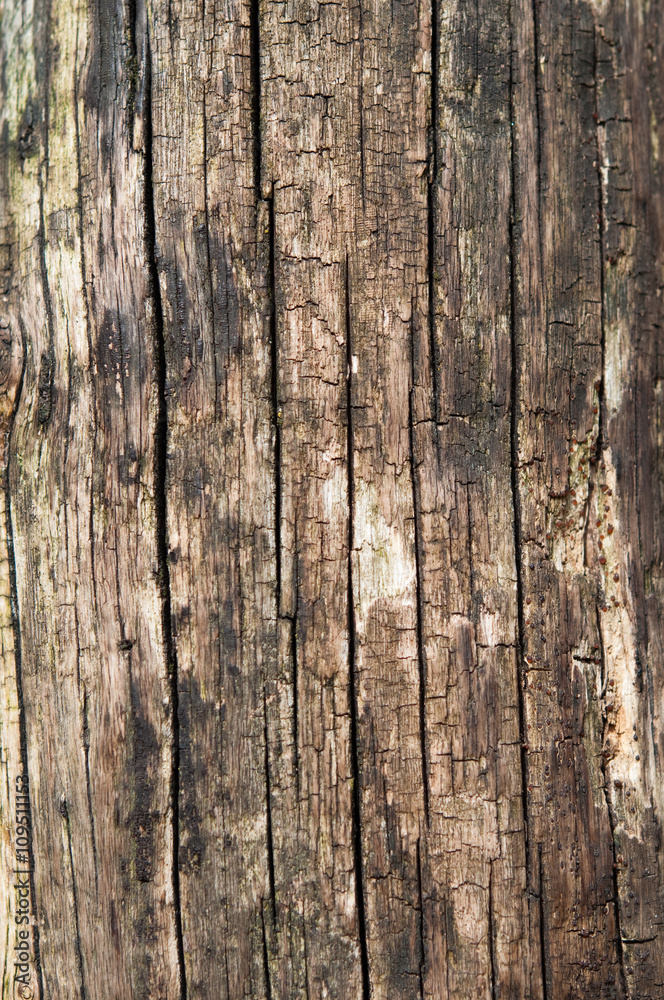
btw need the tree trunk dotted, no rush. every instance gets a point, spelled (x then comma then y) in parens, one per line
(331, 561)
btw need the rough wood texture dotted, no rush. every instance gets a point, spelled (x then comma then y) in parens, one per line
(331, 538)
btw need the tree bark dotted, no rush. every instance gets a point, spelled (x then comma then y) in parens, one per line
(332, 513)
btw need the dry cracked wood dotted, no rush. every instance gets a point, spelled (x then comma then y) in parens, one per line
(331, 538)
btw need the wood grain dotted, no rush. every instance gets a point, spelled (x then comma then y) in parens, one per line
(330, 527)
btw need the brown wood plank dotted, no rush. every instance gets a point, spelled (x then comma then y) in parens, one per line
(558, 377)
(387, 278)
(212, 256)
(95, 681)
(481, 926)
(310, 159)
(626, 554)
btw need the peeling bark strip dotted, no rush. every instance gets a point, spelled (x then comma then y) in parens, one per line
(331, 541)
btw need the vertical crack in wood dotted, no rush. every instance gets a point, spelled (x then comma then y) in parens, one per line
(352, 692)
(88, 787)
(601, 430)
(421, 659)
(601, 423)
(421, 928)
(266, 960)
(361, 106)
(514, 447)
(18, 661)
(433, 350)
(294, 680)
(431, 211)
(268, 832)
(47, 362)
(587, 525)
(276, 421)
(133, 66)
(435, 68)
(545, 978)
(596, 458)
(255, 54)
(495, 984)
(86, 307)
(274, 387)
(536, 90)
(521, 677)
(160, 461)
(42, 20)
(65, 460)
(64, 812)
(256, 119)
(46, 373)
(93, 390)
(210, 290)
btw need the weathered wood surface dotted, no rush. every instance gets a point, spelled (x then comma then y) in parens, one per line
(331, 643)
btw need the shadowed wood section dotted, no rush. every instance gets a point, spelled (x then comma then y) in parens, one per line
(330, 519)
